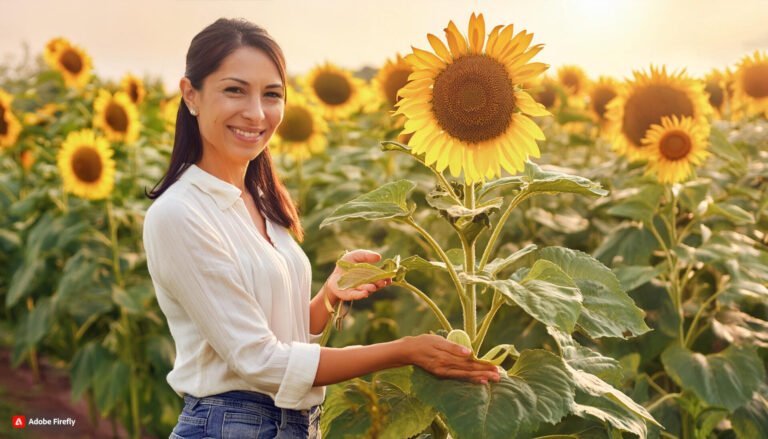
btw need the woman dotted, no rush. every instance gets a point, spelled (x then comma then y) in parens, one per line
(230, 279)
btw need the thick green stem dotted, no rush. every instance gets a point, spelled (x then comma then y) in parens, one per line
(498, 228)
(654, 405)
(470, 289)
(432, 305)
(115, 245)
(440, 252)
(689, 337)
(673, 277)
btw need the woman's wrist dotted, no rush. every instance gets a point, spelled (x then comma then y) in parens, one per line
(330, 298)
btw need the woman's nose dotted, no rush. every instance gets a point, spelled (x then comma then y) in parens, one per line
(254, 109)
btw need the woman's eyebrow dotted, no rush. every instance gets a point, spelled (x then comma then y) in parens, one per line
(236, 80)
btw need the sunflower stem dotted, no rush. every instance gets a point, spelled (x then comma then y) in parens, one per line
(115, 244)
(519, 198)
(477, 343)
(300, 183)
(470, 289)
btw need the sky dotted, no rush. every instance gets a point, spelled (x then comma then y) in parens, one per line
(610, 37)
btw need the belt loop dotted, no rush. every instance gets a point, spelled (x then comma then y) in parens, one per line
(195, 402)
(283, 418)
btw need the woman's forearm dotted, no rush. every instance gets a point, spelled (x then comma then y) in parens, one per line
(341, 364)
(318, 312)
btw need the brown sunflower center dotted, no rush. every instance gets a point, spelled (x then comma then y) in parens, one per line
(3, 123)
(572, 81)
(71, 61)
(716, 96)
(675, 145)
(332, 88)
(756, 81)
(648, 105)
(600, 98)
(117, 117)
(473, 99)
(86, 164)
(547, 96)
(297, 125)
(133, 92)
(394, 82)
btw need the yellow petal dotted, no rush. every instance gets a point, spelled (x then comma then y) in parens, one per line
(476, 33)
(429, 58)
(439, 48)
(529, 126)
(456, 40)
(527, 105)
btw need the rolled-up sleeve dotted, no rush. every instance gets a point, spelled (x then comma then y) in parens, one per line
(186, 257)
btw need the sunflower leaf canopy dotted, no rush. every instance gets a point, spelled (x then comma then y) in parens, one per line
(356, 274)
(535, 181)
(464, 103)
(388, 201)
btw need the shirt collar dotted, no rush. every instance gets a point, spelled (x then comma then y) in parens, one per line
(223, 193)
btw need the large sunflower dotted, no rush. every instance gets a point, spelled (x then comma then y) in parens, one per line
(86, 165)
(134, 88)
(463, 103)
(334, 89)
(117, 116)
(645, 100)
(10, 128)
(71, 61)
(675, 147)
(391, 78)
(302, 132)
(751, 83)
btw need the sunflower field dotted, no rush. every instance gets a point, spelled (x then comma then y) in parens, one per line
(602, 241)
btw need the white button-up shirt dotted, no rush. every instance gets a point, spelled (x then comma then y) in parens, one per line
(237, 307)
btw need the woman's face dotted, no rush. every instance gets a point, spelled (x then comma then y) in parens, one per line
(239, 106)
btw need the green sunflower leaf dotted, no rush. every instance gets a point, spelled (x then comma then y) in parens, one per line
(388, 201)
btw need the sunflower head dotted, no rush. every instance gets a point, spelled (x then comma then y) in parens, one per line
(546, 91)
(600, 94)
(134, 88)
(750, 86)
(302, 132)
(575, 83)
(675, 147)
(169, 109)
(334, 89)
(117, 116)
(86, 165)
(717, 93)
(646, 99)
(42, 115)
(391, 78)
(10, 128)
(464, 104)
(69, 60)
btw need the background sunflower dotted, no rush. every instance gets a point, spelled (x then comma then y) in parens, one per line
(134, 88)
(72, 62)
(463, 103)
(86, 165)
(751, 84)
(302, 132)
(334, 89)
(392, 76)
(117, 116)
(675, 147)
(10, 128)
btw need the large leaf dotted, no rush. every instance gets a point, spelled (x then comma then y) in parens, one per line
(583, 358)
(537, 389)
(607, 310)
(738, 327)
(587, 406)
(500, 264)
(360, 273)
(638, 204)
(536, 180)
(751, 421)
(110, 385)
(545, 292)
(382, 408)
(388, 201)
(726, 379)
(732, 212)
(627, 244)
(32, 328)
(89, 359)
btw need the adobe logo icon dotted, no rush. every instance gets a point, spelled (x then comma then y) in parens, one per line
(19, 421)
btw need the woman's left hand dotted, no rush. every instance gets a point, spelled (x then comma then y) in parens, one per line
(361, 291)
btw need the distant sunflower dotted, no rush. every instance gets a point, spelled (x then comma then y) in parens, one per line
(69, 60)
(751, 83)
(117, 116)
(546, 91)
(42, 115)
(600, 94)
(134, 88)
(169, 109)
(575, 82)
(463, 103)
(645, 100)
(675, 147)
(302, 132)
(86, 165)
(334, 89)
(391, 78)
(10, 128)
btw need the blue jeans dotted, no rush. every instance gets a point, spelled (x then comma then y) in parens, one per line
(240, 414)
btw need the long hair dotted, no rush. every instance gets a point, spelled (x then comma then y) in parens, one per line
(206, 53)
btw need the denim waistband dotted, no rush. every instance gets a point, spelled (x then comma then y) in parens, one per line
(257, 403)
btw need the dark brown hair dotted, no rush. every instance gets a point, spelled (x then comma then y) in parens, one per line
(206, 53)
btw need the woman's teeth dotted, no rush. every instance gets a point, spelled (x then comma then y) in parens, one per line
(247, 134)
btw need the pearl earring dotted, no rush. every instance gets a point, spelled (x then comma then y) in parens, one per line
(193, 112)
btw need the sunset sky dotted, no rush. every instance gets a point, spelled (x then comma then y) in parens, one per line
(150, 37)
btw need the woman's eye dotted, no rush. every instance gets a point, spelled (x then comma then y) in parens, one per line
(234, 90)
(274, 94)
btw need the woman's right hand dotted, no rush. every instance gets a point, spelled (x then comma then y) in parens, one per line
(446, 359)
